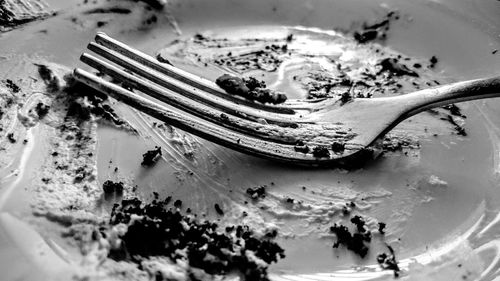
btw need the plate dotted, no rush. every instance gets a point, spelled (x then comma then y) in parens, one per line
(439, 201)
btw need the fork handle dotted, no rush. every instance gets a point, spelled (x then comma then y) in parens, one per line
(419, 101)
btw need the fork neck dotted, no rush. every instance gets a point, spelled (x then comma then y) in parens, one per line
(417, 102)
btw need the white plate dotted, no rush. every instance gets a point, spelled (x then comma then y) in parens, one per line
(435, 228)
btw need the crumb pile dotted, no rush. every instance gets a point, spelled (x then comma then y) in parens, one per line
(359, 241)
(250, 88)
(146, 235)
(154, 229)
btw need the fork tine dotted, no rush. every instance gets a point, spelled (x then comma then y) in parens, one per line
(190, 79)
(179, 74)
(263, 131)
(197, 126)
(186, 90)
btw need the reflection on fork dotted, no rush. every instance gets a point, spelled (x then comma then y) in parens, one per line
(319, 132)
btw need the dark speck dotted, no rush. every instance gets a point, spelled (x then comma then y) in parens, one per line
(111, 187)
(178, 203)
(150, 157)
(300, 146)
(42, 109)
(321, 151)
(433, 61)
(394, 67)
(11, 137)
(381, 227)
(218, 209)
(257, 192)
(338, 147)
(101, 23)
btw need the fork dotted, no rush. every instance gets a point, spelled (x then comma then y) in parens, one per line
(318, 132)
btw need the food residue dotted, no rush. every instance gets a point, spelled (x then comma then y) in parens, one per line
(250, 88)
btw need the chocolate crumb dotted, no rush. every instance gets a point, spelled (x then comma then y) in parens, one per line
(338, 147)
(250, 88)
(151, 157)
(252, 83)
(365, 35)
(388, 261)
(357, 241)
(345, 97)
(161, 59)
(51, 80)
(377, 30)
(218, 209)
(42, 109)
(433, 60)
(12, 86)
(454, 110)
(354, 242)
(101, 23)
(300, 146)
(232, 85)
(257, 192)
(381, 227)
(345, 211)
(394, 67)
(110, 10)
(178, 203)
(112, 187)
(359, 222)
(321, 151)
(11, 138)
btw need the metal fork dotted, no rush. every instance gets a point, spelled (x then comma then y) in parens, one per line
(319, 132)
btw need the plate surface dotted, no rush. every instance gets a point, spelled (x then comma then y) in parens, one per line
(440, 202)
